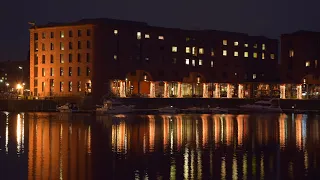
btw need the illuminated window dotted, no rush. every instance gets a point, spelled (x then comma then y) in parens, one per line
(316, 63)
(291, 53)
(61, 46)
(236, 43)
(115, 57)
(70, 71)
(255, 46)
(262, 56)
(70, 86)
(147, 36)
(161, 37)
(187, 49)
(194, 51)
(193, 62)
(246, 54)
(51, 72)
(62, 34)
(115, 32)
(236, 54)
(138, 35)
(187, 61)
(61, 58)
(43, 72)
(201, 51)
(272, 56)
(246, 45)
(307, 63)
(200, 62)
(212, 52)
(211, 63)
(174, 48)
(224, 52)
(61, 71)
(43, 35)
(254, 76)
(263, 47)
(225, 42)
(61, 86)
(255, 55)
(79, 86)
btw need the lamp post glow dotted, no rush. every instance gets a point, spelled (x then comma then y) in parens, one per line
(19, 86)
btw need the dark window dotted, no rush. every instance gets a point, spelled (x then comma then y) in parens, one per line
(35, 36)
(51, 59)
(70, 34)
(79, 44)
(88, 32)
(51, 34)
(70, 45)
(36, 59)
(70, 58)
(79, 72)
(43, 59)
(88, 57)
(79, 33)
(88, 44)
(79, 57)
(51, 46)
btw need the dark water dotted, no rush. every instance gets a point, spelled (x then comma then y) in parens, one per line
(53, 146)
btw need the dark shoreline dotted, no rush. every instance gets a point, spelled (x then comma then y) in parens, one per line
(148, 104)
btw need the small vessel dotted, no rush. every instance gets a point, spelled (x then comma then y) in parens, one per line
(114, 107)
(68, 107)
(169, 109)
(271, 106)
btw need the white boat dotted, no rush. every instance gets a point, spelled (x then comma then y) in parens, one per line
(168, 109)
(68, 107)
(271, 106)
(114, 107)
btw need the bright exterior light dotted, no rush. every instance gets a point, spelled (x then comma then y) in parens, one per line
(20, 67)
(19, 86)
(1, 80)
(7, 84)
(23, 84)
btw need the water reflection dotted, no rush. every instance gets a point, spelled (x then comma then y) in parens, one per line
(160, 146)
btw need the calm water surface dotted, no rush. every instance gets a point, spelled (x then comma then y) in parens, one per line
(57, 146)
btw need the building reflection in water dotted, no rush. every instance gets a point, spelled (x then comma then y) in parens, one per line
(202, 140)
(59, 149)
(163, 146)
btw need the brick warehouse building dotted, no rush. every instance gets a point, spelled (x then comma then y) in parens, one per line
(133, 58)
(300, 55)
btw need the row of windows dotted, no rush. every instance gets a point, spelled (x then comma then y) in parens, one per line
(43, 84)
(62, 34)
(62, 46)
(62, 71)
(308, 64)
(224, 42)
(62, 58)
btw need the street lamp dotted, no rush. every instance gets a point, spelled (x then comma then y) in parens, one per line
(20, 67)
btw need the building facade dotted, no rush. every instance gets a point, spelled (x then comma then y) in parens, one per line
(300, 53)
(61, 60)
(135, 59)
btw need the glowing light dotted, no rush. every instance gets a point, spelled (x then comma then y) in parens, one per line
(166, 90)
(240, 91)
(152, 90)
(19, 86)
(205, 90)
(89, 140)
(234, 168)
(282, 91)
(151, 132)
(186, 164)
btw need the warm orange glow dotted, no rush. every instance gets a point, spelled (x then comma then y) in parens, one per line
(229, 129)
(217, 129)
(204, 130)
(240, 129)
(298, 123)
(19, 86)
(151, 132)
(282, 130)
(165, 130)
(179, 132)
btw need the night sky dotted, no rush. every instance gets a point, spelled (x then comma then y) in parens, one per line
(255, 17)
